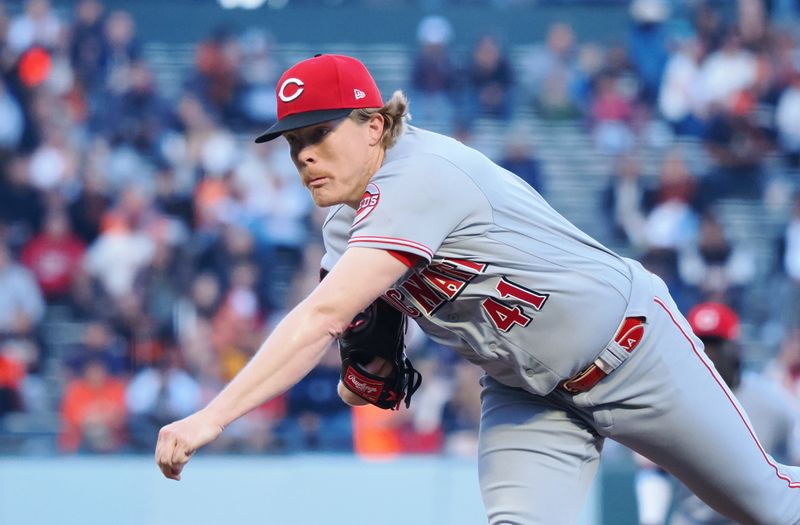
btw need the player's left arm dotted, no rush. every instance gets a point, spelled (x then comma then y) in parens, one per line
(288, 354)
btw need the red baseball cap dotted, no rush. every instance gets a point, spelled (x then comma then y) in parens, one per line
(319, 89)
(714, 320)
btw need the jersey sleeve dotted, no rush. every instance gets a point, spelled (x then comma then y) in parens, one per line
(414, 205)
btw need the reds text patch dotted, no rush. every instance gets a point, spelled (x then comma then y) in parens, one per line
(368, 203)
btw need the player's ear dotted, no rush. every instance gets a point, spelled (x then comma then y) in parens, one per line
(375, 125)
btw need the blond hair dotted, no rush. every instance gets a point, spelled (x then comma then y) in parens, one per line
(394, 112)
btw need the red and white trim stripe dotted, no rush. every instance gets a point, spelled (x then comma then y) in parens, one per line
(792, 484)
(417, 247)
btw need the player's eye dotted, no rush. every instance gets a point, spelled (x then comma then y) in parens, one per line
(320, 133)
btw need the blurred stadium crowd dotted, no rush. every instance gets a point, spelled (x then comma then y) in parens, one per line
(148, 246)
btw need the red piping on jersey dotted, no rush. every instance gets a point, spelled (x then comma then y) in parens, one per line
(407, 258)
(392, 240)
(784, 477)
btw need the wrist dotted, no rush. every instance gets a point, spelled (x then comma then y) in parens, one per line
(216, 415)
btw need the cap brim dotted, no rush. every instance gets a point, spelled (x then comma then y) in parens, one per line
(301, 120)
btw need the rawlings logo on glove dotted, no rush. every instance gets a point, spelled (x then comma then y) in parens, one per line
(363, 387)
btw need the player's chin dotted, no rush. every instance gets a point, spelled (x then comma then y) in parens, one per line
(323, 199)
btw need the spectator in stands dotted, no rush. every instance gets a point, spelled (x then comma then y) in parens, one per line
(433, 74)
(122, 48)
(271, 199)
(99, 342)
(463, 411)
(21, 386)
(647, 44)
(54, 163)
(193, 320)
(215, 78)
(707, 24)
(672, 222)
(551, 71)
(36, 25)
(287, 234)
(21, 206)
(21, 301)
(627, 200)
(124, 247)
(714, 267)
(611, 115)
(201, 150)
(171, 200)
(93, 412)
(787, 121)
(159, 393)
(238, 325)
(230, 245)
(162, 281)
(316, 417)
(751, 23)
(135, 114)
(728, 71)
(259, 71)
(12, 119)
(12, 373)
(778, 63)
(738, 146)
(520, 158)
(54, 256)
(90, 205)
(424, 432)
(88, 48)
(680, 99)
(490, 80)
(590, 62)
(671, 225)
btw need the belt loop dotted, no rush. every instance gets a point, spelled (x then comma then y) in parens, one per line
(630, 333)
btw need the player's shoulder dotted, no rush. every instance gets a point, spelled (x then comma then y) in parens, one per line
(423, 151)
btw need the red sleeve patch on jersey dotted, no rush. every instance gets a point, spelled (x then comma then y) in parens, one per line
(368, 202)
(409, 259)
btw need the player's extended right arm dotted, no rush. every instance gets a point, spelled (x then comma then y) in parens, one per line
(289, 353)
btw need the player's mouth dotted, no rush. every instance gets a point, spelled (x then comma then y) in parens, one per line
(317, 182)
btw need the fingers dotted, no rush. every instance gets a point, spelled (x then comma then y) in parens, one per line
(180, 456)
(171, 455)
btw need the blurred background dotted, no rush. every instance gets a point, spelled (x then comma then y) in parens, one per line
(147, 246)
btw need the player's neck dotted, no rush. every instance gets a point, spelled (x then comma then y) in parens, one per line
(372, 168)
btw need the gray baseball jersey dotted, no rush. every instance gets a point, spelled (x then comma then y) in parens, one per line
(506, 273)
(518, 290)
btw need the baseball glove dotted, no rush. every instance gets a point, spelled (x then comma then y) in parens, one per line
(378, 331)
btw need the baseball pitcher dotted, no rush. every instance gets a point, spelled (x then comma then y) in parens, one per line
(578, 344)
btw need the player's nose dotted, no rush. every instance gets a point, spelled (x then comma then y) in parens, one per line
(305, 155)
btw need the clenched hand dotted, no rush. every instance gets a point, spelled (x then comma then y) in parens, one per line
(178, 441)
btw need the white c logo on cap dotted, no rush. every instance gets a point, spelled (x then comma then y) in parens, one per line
(297, 82)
